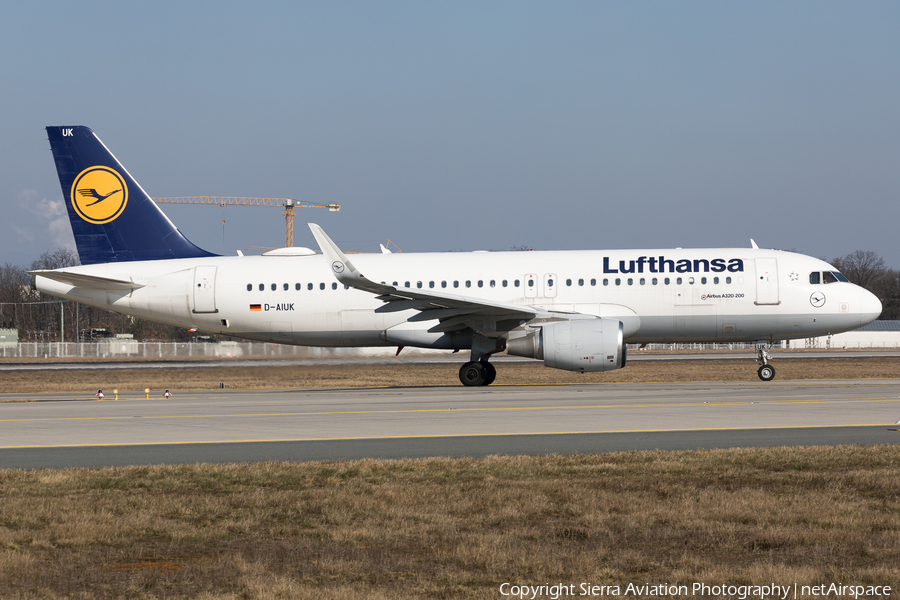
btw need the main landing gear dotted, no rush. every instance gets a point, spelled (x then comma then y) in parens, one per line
(478, 371)
(766, 371)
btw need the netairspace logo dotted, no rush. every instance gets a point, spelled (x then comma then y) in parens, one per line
(661, 590)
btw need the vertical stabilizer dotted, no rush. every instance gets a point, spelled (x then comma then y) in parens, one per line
(112, 218)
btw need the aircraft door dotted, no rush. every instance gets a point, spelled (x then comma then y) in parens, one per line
(550, 284)
(205, 290)
(531, 285)
(767, 281)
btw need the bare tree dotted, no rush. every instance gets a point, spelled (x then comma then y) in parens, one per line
(58, 259)
(862, 267)
(890, 295)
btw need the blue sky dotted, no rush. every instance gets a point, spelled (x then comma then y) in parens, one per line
(470, 125)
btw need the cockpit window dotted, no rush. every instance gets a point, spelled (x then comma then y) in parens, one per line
(826, 277)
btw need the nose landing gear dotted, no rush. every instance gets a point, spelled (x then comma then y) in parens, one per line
(766, 371)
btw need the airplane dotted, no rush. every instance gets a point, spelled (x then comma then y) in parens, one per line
(573, 310)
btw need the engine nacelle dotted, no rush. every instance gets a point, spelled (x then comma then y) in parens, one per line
(584, 345)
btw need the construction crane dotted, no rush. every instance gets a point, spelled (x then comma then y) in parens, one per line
(288, 204)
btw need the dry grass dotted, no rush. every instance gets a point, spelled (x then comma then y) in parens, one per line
(405, 374)
(442, 528)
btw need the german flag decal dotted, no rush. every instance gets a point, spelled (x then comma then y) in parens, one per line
(255, 307)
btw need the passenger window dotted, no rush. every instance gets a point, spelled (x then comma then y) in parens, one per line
(456, 284)
(618, 281)
(716, 280)
(516, 283)
(655, 281)
(581, 282)
(550, 282)
(728, 280)
(249, 287)
(480, 283)
(419, 284)
(321, 286)
(274, 286)
(406, 284)
(395, 284)
(630, 281)
(262, 287)
(593, 282)
(505, 283)
(309, 286)
(468, 284)
(643, 281)
(678, 281)
(297, 286)
(431, 284)
(493, 283)
(286, 287)
(691, 280)
(531, 283)
(814, 278)
(334, 286)
(443, 284)
(667, 281)
(703, 280)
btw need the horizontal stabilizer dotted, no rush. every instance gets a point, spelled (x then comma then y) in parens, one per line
(88, 281)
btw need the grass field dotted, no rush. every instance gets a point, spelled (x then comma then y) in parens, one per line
(442, 528)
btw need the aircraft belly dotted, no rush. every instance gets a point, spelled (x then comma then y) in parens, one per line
(336, 339)
(741, 327)
(357, 326)
(695, 322)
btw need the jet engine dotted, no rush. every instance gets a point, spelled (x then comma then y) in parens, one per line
(584, 345)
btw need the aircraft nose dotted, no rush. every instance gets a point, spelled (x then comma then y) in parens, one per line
(870, 307)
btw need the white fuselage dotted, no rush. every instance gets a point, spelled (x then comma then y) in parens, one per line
(717, 295)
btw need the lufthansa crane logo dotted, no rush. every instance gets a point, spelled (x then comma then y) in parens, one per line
(99, 195)
(337, 266)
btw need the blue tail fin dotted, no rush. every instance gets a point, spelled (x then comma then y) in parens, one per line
(113, 219)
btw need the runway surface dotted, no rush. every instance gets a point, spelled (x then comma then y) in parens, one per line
(295, 425)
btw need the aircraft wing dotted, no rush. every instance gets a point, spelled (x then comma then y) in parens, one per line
(87, 281)
(454, 312)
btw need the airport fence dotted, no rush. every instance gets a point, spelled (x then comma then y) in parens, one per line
(160, 349)
(200, 350)
(263, 350)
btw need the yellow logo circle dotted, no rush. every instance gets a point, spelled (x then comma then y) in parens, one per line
(99, 195)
